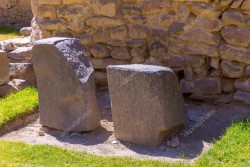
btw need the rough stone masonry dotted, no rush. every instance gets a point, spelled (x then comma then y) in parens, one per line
(15, 13)
(205, 40)
(67, 97)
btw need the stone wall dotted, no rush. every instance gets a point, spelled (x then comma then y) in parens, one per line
(205, 41)
(15, 13)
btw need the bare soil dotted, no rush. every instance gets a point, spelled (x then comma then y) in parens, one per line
(207, 122)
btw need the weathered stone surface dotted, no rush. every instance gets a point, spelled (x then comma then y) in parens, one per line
(102, 64)
(102, 36)
(232, 69)
(51, 25)
(208, 85)
(26, 31)
(85, 39)
(205, 10)
(121, 54)
(137, 31)
(236, 4)
(130, 90)
(158, 49)
(188, 74)
(105, 8)
(235, 36)
(197, 35)
(247, 72)
(120, 33)
(5, 4)
(139, 52)
(234, 17)
(215, 62)
(225, 3)
(228, 85)
(100, 51)
(242, 97)
(242, 84)
(101, 78)
(201, 72)
(15, 13)
(99, 21)
(246, 5)
(20, 42)
(4, 68)
(137, 60)
(21, 70)
(67, 99)
(7, 46)
(194, 49)
(151, 6)
(176, 60)
(21, 53)
(230, 52)
(7, 89)
(208, 25)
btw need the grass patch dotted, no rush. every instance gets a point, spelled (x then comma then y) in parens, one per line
(8, 33)
(20, 154)
(232, 150)
(17, 104)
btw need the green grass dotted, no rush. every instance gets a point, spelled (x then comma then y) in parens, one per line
(17, 104)
(233, 150)
(20, 154)
(8, 33)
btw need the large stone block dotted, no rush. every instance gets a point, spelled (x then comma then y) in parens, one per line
(4, 68)
(67, 97)
(147, 104)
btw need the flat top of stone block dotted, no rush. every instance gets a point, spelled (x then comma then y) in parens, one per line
(141, 68)
(52, 41)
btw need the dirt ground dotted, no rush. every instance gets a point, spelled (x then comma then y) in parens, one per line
(206, 123)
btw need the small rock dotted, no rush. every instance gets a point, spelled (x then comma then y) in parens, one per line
(7, 46)
(21, 42)
(26, 31)
(114, 142)
(175, 141)
(41, 132)
(22, 53)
